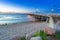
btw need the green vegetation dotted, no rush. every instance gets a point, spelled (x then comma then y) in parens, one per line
(57, 35)
(42, 34)
(23, 38)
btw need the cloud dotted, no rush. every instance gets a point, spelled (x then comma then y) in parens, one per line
(4, 8)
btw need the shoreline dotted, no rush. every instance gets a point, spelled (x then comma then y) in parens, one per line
(20, 22)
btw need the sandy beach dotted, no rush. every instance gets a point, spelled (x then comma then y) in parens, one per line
(9, 31)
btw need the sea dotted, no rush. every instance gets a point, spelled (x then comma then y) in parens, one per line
(13, 18)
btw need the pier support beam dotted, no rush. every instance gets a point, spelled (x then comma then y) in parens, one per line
(51, 23)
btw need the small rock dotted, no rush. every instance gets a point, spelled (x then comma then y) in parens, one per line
(36, 38)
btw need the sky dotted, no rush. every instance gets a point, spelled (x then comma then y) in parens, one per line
(24, 6)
